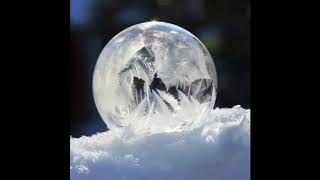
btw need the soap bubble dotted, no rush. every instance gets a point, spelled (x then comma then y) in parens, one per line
(153, 69)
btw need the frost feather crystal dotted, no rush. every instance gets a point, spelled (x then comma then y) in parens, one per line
(153, 76)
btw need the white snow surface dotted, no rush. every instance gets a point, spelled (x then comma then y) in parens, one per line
(216, 148)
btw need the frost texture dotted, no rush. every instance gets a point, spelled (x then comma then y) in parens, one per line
(217, 147)
(150, 68)
(154, 85)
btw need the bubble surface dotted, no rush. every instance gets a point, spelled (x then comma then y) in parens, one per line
(153, 69)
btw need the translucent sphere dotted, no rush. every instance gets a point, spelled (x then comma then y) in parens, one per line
(152, 68)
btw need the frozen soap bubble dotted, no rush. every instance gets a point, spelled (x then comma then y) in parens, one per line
(153, 75)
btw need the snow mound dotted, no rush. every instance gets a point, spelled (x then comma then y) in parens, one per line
(217, 148)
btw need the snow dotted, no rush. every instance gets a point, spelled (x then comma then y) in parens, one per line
(214, 147)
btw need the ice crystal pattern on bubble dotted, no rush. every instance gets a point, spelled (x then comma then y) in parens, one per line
(153, 68)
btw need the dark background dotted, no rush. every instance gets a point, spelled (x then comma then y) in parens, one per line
(222, 25)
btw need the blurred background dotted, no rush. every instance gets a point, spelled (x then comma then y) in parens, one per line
(222, 25)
